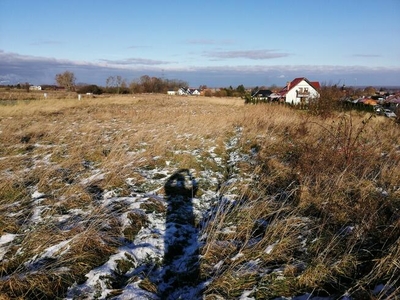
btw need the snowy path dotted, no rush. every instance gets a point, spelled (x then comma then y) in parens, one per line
(162, 262)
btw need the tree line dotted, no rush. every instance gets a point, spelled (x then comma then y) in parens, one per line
(148, 84)
(119, 85)
(145, 84)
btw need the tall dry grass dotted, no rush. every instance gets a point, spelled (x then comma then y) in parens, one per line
(321, 213)
(71, 151)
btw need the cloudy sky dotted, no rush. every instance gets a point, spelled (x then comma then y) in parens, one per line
(217, 43)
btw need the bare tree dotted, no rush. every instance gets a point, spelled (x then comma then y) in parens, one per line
(115, 84)
(26, 86)
(121, 83)
(147, 84)
(66, 80)
(110, 82)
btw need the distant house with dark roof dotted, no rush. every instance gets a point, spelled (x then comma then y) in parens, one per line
(262, 94)
(194, 92)
(189, 92)
(300, 91)
(182, 91)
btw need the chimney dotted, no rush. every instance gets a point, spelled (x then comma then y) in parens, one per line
(287, 85)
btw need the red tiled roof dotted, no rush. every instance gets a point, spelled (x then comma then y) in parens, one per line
(296, 81)
(315, 85)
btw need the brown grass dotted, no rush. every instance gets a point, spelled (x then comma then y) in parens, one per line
(315, 177)
(324, 194)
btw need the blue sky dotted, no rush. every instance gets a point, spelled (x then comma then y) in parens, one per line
(216, 43)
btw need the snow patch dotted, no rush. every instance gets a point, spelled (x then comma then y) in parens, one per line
(37, 195)
(245, 295)
(270, 248)
(4, 240)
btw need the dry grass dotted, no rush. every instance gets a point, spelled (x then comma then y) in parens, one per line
(321, 213)
(328, 194)
(27, 274)
(54, 145)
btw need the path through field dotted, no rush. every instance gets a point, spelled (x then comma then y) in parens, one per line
(163, 262)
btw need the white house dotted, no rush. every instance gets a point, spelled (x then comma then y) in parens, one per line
(182, 91)
(35, 88)
(194, 92)
(300, 91)
(188, 92)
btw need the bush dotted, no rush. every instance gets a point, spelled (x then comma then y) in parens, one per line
(93, 89)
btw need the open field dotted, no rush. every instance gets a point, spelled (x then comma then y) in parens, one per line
(156, 197)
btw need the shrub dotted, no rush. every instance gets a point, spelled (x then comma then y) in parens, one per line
(93, 89)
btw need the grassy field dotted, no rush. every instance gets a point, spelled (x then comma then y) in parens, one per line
(316, 205)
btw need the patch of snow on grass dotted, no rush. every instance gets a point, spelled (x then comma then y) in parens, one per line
(4, 240)
(270, 248)
(218, 264)
(245, 295)
(37, 195)
(57, 249)
(237, 256)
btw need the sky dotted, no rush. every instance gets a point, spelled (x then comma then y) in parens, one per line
(216, 43)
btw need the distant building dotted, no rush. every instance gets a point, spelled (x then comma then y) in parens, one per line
(35, 88)
(182, 91)
(189, 92)
(300, 91)
(194, 92)
(262, 94)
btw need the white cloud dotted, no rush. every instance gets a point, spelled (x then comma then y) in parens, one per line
(16, 68)
(134, 61)
(249, 54)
